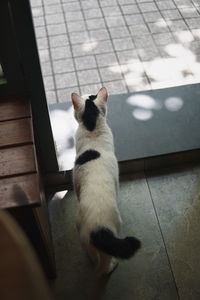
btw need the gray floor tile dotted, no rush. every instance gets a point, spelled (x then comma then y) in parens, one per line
(49, 2)
(163, 38)
(39, 21)
(79, 37)
(171, 14)
(66, 80)
(142, 1)
(60, 52)
(90, 88)
(147, 7)
(44, 55)
(123, 44)
(189, 12)
(167, 4)
(136, 68)
(130, 9)
(67, 1)
(196, 33)
(115, 21)
(137, 84)
(103, 47)
(144, 41)
(134, 19)
(152, 16)
(83, 49)
(184, 3)
(64, 95)
(99, 34)
(175, 25)
(111, 11)
(88, 4)
(88, 76)
(177, 200)
(183, 36)
(93, 13)
(158, 27)
(125, 2)
(193, 23)
(73, 15)
(46, 68)
(195, 47)
(55, 18)
(128, 56)
(93, 24)
(116, 87)
(56, 29)
(85, 62)
(76, 26)
(107, 59)
(137, 30)
(42, 43)
(72, 6)
(40, 32)
(110, 73)
(196, 3)
(146, 276)
(52, 9)
(63, 65)
(37, 11)
(104, 3)
(48, 83)
(51, 97)
(36, 3)
(58, 40)
(119, 32)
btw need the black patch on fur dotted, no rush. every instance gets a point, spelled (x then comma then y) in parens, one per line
(90, 115)
(104, 240)
(87, 156)
(92, 97)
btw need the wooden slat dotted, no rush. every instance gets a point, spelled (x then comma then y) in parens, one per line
(15, 132)
(19, 191)
(17, 160)
(12, 108)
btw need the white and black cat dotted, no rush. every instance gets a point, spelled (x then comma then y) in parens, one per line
(95, 177)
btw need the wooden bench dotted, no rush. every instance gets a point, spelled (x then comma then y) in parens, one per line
(21, 190)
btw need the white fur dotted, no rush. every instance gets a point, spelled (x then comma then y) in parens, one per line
(96, 182)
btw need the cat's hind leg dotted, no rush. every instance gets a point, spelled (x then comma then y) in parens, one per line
(93, 254)
(107, 264)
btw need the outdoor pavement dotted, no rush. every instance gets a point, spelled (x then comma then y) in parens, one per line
(126, 45)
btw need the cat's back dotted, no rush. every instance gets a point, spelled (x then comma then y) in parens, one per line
(96, 166)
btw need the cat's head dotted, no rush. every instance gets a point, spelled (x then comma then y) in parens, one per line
(88, 109)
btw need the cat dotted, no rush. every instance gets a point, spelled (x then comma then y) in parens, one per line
(95, 179)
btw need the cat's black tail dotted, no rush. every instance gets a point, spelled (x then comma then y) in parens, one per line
(104, 240)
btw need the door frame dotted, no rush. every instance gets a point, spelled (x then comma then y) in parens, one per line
(21, 65)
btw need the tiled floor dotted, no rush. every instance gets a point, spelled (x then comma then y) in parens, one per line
(126, 45)
(162, 209)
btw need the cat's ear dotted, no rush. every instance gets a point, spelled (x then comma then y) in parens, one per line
(102, 96)
(76, 101)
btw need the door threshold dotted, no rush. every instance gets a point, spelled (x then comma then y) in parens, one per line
(151, 129)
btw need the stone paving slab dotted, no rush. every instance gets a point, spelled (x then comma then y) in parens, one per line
(126, 45)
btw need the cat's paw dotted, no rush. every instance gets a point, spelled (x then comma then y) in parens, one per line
(112, 266)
